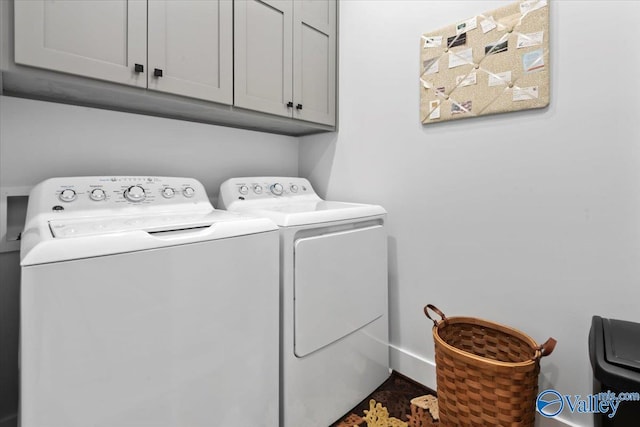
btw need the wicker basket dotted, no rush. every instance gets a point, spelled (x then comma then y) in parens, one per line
(487, 373)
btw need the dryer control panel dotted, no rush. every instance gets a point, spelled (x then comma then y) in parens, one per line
(265, 188)
(76, 194)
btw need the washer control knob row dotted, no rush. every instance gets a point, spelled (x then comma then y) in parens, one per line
(67, 195)
(97, 195)
(168, 192)
(277, 189)
(188, 192)
(135, 193)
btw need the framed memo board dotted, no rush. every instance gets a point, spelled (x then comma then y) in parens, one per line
(491, 63)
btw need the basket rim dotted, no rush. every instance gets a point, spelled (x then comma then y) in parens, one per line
(494, 325)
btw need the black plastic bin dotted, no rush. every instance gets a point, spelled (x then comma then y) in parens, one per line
(614, 350)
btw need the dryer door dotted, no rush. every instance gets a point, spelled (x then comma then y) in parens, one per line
(340, 285)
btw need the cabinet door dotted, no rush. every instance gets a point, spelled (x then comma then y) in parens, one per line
(314, 60)
(98, 39)
(262, 55)
(190, 42)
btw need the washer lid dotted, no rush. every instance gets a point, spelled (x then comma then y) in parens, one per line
(622, 343)
(306, 212)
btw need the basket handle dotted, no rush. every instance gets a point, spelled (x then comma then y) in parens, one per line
(438, 312)
(547, 348)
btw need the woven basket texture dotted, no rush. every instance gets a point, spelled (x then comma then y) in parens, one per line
(487, 374)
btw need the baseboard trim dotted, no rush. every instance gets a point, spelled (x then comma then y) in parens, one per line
(422, 370)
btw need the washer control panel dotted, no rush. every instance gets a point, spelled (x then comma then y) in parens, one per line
(113, 192)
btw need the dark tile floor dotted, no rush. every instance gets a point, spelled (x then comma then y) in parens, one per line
(395, 394)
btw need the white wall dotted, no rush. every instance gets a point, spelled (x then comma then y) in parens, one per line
(42, 139)
(530, 219)
(39, 140)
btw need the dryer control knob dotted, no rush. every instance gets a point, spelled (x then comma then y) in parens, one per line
(188, 192)
(276, 189)
(97, 195)
(135, 193)
(67, 195)
(243, 189)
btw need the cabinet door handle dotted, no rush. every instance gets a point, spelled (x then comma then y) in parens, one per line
(290, 104)
(299, 107)
(138, 68)
(157, 72)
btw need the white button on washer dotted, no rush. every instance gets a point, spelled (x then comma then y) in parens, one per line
(257, 189)
(97, 195)
(294, 188)
(67, 195)
(188, 192)
(243, 189)
(168, 192)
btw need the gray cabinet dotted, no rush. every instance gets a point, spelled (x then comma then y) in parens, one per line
(174, 46)
(103, 40)
(266, 65)
(191, 44)
(285, 58)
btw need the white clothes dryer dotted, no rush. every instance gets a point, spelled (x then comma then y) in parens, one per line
(333, 295)
(142, 306)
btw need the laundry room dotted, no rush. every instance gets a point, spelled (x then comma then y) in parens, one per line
(529, 218)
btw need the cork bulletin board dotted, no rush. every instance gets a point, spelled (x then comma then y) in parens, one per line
(492, 63)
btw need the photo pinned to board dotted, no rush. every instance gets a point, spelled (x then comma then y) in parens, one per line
(525, 93)
(468, 25)
(499, 79)
(466, 80)
(430, 66)
(533, 61)
(497, 47)
(462, 108)
(432, 41)
(434, 108)
(531, 39)
(457, 40)
(462, 57)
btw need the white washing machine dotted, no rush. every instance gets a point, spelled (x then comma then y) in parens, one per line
(333, 295)
(142, 306)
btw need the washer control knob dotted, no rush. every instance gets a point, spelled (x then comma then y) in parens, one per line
(276, 189)
(97, 195)
(257, 189)
(188, 192)
(67, 195)
(135, 193)
(243, 189)
(293, 188)
(168, 192)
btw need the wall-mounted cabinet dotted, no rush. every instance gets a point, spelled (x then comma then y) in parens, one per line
(177, 58)
(285, 58)
(188, 43)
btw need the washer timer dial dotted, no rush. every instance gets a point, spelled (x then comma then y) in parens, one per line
(135, 193)
(276, 189)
